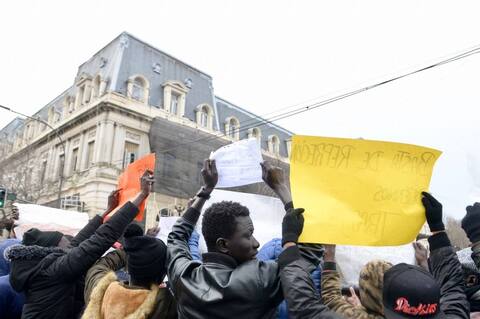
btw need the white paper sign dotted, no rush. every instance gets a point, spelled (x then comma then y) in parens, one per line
(47, 218)
(238, 164)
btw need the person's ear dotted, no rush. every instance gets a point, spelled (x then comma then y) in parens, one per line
(222, 245)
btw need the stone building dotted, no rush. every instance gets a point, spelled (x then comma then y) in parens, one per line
(128, 100)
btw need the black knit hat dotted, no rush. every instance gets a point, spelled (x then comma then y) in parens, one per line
(410, 292)
(34, 236)
(145, 255)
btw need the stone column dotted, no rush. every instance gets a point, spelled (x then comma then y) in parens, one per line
(100, 142)
(109, 139)
(118, 146)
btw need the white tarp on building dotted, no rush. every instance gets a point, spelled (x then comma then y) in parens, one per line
(267, 214)
(47, 218)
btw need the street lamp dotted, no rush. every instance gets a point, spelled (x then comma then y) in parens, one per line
(62, 143)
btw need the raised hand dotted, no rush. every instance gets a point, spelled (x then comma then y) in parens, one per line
(471, 223)
(209, 174)
(274, 177)
(421, 255)
(292, 225)
(146, 182)
(433, 212)
(113, 200)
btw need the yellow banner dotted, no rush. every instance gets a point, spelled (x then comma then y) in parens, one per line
(360, 192)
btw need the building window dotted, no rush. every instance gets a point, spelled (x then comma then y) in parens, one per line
(204, 113)
(255, 133)
(74, 162)
(232, 128)
(43, 171)
(61, 165)
(174, 104)
(130, 154)
(168, 164)
(90, 149)
(138, 88)
(174, 95)
(274, 144)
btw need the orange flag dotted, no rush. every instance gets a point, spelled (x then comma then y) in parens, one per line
(129, 183)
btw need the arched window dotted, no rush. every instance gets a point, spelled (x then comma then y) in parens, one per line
(232, 128)
(138, 88)
(274, 144)
(205, 116)
(256, 133)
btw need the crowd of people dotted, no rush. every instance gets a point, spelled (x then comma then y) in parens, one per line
(112, 269)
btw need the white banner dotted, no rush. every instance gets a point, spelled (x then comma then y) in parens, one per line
(47, 218)
(267, 215)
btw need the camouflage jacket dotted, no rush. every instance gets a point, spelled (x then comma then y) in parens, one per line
(332, 297)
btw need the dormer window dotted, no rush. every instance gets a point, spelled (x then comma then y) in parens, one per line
(256, 133)
(204, 116)
(174, 96)
(174, 103)
(138, 88)
(232, 128)
(274, 144)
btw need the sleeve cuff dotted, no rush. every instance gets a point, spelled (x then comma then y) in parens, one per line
(288, 255)
(439, 240)
(329, 266)
(288, 206)
(191, 215)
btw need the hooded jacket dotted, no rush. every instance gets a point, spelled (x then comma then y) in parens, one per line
(370, 284)
(109, 298)
(52, 278)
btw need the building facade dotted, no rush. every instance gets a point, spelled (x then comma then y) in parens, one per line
(128, 100)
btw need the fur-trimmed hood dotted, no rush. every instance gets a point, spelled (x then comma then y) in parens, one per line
(26, 261)
(111, 299)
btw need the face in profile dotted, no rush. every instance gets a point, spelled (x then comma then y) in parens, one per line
(242, 245)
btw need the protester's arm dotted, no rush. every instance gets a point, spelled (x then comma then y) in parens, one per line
(178, 251)
(302, 298)
(113, 261)
(444, 264)
(96, 221)
(471, 226)
(79, 259)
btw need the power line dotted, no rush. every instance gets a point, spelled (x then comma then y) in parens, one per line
(332, 99)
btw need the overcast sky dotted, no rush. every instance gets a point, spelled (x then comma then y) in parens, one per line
(268, 55)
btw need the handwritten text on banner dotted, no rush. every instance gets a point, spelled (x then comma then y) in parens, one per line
(360, 192)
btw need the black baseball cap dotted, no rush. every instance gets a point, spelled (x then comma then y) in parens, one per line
(410, 292)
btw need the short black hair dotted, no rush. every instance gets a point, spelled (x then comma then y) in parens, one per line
(219, 221)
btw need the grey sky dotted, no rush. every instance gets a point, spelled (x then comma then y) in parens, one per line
(267, 55)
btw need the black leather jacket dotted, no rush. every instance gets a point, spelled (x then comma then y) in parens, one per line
(303, 300)
(219, 287)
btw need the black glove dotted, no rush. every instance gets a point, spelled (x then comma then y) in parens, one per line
(292, 225)
(471, 223)
(433, 212)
